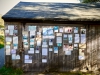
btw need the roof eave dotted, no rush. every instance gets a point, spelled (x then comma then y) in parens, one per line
(52, 20)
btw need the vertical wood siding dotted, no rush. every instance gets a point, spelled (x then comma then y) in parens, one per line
(60, 61)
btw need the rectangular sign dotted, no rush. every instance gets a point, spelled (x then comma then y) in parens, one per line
(44, 51)
(44, 60)
(32, 28)
(8, 52)
(56, 28)
(67, 52)
(15, 40)
(55, 49)
(58, 39)
(27, 61)
(13, 56)
(8, 39)
(11, 27)
(75, 29)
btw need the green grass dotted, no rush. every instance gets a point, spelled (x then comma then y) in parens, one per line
(17, 71)
(10, 71)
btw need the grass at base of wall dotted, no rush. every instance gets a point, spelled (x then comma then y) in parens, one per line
(58, 73)
(10, 71)
(70, 73)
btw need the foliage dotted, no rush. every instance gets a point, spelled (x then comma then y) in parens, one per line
(2, 38)
(90, 1)
(1, 46)
(1, 26)
(1, 42)
(10, 71)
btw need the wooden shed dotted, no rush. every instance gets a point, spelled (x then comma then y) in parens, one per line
(53, 36)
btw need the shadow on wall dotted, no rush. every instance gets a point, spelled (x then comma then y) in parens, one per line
(2, 57)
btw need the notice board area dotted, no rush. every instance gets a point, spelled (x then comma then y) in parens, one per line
(37, 47)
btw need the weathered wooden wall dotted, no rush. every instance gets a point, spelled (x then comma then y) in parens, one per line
(60, 61)
(8, 59)
(93, 46)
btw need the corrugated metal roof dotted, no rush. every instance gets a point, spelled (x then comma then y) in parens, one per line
(66, 11)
